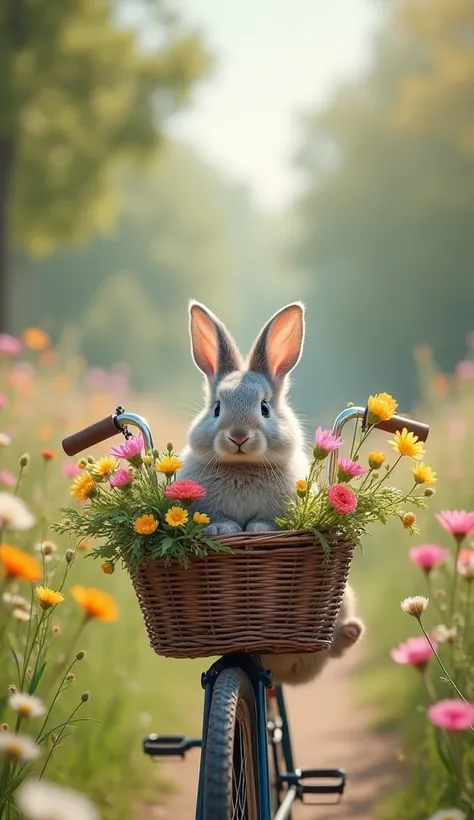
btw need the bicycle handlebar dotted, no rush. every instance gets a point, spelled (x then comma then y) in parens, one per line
(397, 423)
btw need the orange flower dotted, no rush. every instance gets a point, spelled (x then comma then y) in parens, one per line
(95, 603)
(108, 567)
(48, 455)
(18, 564)
(145, 525)
(35, 338)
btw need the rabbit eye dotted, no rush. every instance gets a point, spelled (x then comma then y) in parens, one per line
(217, 409)
(265, 409)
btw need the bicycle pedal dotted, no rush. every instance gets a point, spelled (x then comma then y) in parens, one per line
(331, 782)
(170, 745)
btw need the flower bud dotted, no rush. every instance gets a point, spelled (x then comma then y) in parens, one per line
(429, 492)
(85, 697)
(4, 727)
(69, 556)
(108, 568)
(70, 677)
(80, 655)
(82, 463)
(90, 460)
(24, 460)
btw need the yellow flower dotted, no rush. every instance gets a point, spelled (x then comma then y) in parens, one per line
(381, 407)
(424, 474)
(176, 516)
(407, 444)
(302, 485)
(376, 459)
(83, 487)
(48, 597)
(145, 525)
(201, 518)
(409, 520)
(168, 465)
(105, 466)
(147, 460)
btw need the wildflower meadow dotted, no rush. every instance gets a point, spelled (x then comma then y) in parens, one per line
(79, 685)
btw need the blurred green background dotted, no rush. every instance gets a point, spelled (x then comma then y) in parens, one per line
(244, 155)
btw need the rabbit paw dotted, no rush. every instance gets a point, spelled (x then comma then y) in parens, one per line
(223, 527)
(259, 526)
(348, 634)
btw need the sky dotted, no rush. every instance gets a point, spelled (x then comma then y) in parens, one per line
(276, 60)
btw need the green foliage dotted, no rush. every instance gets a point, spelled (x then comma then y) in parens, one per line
(386, 240)
(81, 89)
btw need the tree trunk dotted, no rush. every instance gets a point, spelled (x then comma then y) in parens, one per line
(6, 163)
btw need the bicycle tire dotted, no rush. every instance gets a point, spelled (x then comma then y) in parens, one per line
(230, 778)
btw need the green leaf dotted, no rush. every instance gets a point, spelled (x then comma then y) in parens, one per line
(36, 679)
(166, 545)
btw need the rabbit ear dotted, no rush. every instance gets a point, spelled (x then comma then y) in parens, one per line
(213, 348)
(278, 348)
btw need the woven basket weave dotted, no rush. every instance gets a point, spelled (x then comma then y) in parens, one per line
(274, 593)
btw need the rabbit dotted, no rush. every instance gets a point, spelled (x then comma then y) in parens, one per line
(246, 446)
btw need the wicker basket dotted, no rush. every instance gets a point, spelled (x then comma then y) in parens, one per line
(274, 593)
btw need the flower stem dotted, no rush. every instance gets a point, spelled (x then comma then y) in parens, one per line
(445, 671)
(61, 733)
(459, 540)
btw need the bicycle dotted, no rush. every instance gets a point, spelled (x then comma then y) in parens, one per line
(246, 769)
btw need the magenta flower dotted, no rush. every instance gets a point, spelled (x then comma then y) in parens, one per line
(453, 715)
(70, 469)
(185, 490)
(121, 478)
(349, 469)
(325, 441)
(415, 651)
(342, 498)
(7, 478)
(457, 522)
(131, 448)
(428, 556)
(9, 345)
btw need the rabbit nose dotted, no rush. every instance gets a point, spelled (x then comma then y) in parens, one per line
(239, 439)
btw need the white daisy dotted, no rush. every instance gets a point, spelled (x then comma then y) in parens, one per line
(448, 814)
(14, 514)
(415, 606)
(21, 614)
(26, 705)
(18, 747)
(39, 800)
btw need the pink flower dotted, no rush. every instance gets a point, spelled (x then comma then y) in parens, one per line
(3, 401)
(185, 490)
(121, 478)
(457, 522)
(349, 469)
(7, 478)
(466, 556)
(415, 651)
(453, 715)
(342, 498)
(9, 345)
(130, 448)
(69, 469)
(465, 370)
(325, 441)
(428, 556)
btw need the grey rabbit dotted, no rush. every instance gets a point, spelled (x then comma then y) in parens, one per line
(246, 446)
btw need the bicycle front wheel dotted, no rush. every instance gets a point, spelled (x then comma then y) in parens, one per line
(230, 778)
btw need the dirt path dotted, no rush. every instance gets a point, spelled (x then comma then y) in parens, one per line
(327, 730)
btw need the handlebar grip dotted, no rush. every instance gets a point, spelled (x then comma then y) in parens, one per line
(397, 423)
(95, 433)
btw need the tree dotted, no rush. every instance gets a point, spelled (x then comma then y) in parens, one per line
(387, 241)
(79, 91)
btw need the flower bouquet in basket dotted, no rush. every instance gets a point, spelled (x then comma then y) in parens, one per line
(363, 492)
(133, 503)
